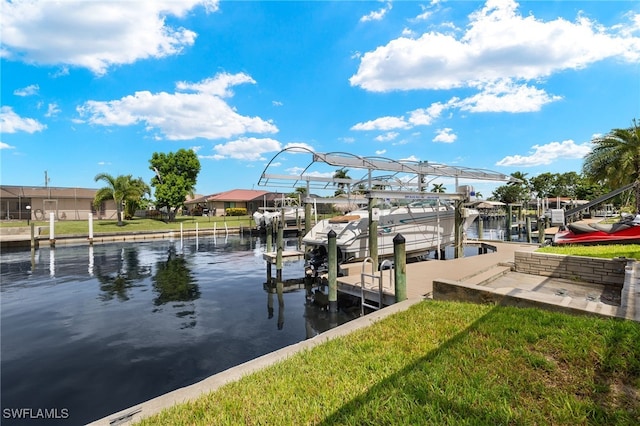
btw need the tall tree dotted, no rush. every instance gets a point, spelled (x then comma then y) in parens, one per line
(438, 187)
(175, 178)
(615, 159)
(340, 174)
(119, 189)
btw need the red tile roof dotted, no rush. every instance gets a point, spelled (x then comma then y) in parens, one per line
(237, 195)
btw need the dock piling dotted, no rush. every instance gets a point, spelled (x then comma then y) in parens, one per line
(52, 236)
(333, 271)
(280, 249)
(400, 268)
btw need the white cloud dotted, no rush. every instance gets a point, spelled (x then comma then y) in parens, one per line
(498, 43)
(506, 96)
(389, 136)
(445, 135)
(382, 123)
(197, 111)
(6, 146)
(30, 90)
(426, 116)
(381, 152)
(250, 149)
(547, 154)
(52, 110)
(276, 103)
(411, 158)
(10, 122)
(376, 15)
(94, 35)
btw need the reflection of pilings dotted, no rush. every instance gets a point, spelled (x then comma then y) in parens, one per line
(279, 289)
(269, 302)
(400, 268)
(333, 271)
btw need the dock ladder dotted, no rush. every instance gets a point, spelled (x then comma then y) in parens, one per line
(374, 278)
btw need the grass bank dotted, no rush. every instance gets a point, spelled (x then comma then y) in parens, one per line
(630, 251)
(444, 363)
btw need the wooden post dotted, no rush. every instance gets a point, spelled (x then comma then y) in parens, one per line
(52, 236)
(307, 218)
(540, 231)
(509, 221)
(333, 272)
(458, 252)
(400, 267)
(529, 236)
(280, 248)
(480, 228)
(33, 237)
(269, 238)
(90, 217)
(373, 236)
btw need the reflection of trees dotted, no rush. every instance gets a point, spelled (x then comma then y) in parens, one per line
(174, 282)
(118, 283)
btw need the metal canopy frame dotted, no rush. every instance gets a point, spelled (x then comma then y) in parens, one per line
(399, 183)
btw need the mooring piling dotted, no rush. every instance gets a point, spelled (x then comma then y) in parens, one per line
(333, 271)
(400, 268)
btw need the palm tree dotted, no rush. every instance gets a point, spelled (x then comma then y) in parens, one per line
(119, 189)
(615, 159)
(438, 187)
(340, 174)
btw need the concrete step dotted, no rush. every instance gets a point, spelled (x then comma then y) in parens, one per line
(485, 276)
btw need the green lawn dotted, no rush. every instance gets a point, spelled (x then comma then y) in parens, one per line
(630, 251)
(444, 363)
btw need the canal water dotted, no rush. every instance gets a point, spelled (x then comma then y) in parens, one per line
(88, 331)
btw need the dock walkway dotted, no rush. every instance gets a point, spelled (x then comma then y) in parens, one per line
(420, 275)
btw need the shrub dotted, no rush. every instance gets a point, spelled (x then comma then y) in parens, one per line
(236, 211)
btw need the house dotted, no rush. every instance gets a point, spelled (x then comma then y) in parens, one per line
(37, 202)
(217, 204)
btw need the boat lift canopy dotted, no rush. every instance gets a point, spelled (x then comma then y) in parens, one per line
(406, 180)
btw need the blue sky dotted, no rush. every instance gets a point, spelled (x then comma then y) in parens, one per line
(95, 86)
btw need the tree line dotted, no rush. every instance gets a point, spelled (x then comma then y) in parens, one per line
(175, 176)
(613, 162)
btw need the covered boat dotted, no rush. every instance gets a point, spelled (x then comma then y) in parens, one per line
(627, 230)
(424, 226)
(286, 206)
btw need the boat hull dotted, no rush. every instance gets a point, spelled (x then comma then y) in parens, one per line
(424, 229)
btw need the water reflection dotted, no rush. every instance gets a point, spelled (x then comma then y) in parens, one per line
(174, 282)
(124, 314)
(128, 273)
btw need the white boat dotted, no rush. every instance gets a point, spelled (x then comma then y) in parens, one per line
(424, 226)
(292, 213)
